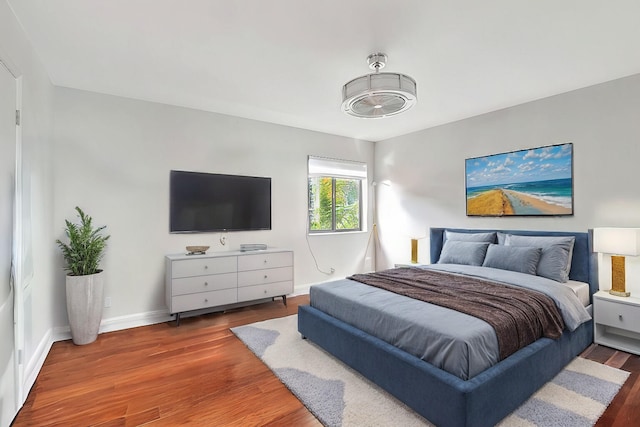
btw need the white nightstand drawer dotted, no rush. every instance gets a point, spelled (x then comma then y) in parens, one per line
(618, 315)
(214, 282)
(200, 300)
(269, 275)
(249, 293)
(265, 260)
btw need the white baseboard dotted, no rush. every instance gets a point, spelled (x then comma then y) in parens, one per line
(134, 320)
(119, 323)
(304, 289)
(34, 365)
(300, 290)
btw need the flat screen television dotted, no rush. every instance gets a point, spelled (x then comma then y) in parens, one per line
(206, 202)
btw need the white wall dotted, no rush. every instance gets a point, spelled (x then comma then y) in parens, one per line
(426, 168)
(40, 291)
(113, 156)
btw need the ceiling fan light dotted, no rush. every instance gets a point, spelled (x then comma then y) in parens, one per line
(379, 95)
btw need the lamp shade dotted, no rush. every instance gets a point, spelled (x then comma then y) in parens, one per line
(617, 241)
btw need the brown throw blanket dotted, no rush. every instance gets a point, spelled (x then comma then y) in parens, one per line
(519, 316)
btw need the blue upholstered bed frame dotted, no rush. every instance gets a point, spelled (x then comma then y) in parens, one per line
(443, 398)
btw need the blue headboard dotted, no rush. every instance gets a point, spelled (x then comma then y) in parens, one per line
(584, 264)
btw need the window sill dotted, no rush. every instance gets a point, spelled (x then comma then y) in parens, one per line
(337, 233)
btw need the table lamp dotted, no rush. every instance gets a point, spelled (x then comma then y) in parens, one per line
(414, 251)
(617, 242)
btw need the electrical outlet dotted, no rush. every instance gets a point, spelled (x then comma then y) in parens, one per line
(107, 302)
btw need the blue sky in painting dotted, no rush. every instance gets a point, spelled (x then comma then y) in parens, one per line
(540, 164)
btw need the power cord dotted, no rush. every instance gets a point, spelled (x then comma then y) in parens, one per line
(306, 234)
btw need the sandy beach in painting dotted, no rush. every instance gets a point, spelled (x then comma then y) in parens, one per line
(509, 202)
(492, 202)
(521, 201)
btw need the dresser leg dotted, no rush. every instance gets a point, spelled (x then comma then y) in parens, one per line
(284, 300)
(177, 319)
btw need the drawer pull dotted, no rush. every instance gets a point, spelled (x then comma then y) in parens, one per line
(265, 261)
(620, 317)
(206, 300)
(265, 276)
(265, 291)
(206, 283)
(206, 266)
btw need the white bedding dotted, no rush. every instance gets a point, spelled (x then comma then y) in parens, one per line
(581, 290)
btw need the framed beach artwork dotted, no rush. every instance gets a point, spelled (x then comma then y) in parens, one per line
(534, 182)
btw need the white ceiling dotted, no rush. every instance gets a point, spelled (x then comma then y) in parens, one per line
(285, 61)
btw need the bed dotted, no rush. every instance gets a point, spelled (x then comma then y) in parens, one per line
(445, 398)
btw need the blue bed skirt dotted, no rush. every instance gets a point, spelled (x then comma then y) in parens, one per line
(439, 396)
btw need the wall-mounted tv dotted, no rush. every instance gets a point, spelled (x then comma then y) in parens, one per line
(206, 202)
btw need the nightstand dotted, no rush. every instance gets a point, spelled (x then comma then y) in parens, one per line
(616, 321)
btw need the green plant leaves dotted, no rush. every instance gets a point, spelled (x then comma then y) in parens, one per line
(85, 248)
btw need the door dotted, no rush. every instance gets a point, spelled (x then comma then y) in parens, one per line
(8, 362)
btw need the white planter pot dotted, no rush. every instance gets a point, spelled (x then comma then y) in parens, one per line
(85, 296)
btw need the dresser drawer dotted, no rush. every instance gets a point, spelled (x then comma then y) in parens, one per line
(214, 282)
(617, 314)
(200, 300)
(249, 293)
(202, 266)
(265, 260)
(268, 275)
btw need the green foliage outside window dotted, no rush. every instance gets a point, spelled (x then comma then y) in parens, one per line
(334, 204)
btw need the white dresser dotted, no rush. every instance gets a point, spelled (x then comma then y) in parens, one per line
(219, 279)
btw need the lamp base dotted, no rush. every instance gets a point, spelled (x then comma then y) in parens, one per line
(619, 294)
(414, 251)
(618, 276)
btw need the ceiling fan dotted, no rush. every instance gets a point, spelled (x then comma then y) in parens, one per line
(378, 95)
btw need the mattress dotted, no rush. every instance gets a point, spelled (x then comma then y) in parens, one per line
(454, 342)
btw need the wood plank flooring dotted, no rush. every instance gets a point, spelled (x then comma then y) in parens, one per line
(201, 374)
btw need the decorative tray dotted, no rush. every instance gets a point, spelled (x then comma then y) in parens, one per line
(197, 250)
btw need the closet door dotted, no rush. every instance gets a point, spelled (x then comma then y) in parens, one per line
(8, 366)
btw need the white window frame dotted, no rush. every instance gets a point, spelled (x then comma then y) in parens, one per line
(337, 169)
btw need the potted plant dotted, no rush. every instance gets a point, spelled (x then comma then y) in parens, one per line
(84, 281)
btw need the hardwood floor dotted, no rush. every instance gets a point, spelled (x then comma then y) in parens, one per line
(198, 373)
(624, 411)
(201, 374)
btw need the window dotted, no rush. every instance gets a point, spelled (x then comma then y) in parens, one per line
(335, 195)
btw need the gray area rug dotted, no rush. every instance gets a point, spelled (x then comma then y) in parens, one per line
(339, 396)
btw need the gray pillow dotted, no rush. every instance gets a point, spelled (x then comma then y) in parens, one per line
(459, 252)
(501, 237)
(470, 237)
(557, 251)
(513, 258)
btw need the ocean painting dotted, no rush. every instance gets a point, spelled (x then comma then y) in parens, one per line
(531, 182)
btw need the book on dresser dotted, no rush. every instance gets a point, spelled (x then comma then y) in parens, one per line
(221, 280)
